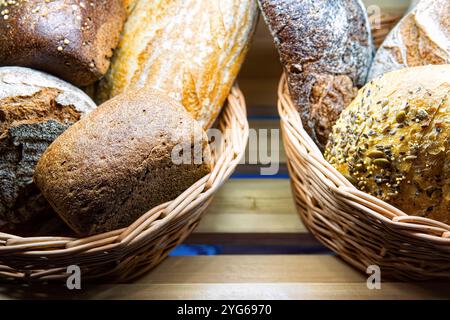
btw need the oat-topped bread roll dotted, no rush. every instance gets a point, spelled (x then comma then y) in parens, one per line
(35, 108)
(393, 141)
(422, 37)
(191, 49)
(72, 39)
(121, 160)
(326, 50)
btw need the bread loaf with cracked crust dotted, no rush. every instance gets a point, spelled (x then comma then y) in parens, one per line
(326, 50)
(118, 162)
(422, 37)
(72, 39)
(393, 141)
(191, 49)
(35, 108)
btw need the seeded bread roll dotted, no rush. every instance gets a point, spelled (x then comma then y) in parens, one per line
(191, 49)
(121, 160)
(393, 141)
(72, 39)
(422, 37)
(326, 49)
(35, 108)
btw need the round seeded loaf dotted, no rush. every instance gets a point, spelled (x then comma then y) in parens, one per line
(35, 108)
(393, 141)
(117, 163)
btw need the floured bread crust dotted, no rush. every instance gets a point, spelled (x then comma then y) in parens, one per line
(326, 50)
(422, 37)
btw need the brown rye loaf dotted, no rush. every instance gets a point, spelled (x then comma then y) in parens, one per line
(116, 163)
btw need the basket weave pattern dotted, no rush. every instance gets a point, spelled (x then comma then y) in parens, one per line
(360, 228)
(130, 252)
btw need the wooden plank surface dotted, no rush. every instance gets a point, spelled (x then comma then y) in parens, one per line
(242, 277)
(252, 206)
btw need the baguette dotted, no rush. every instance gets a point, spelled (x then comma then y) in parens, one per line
(191, 49)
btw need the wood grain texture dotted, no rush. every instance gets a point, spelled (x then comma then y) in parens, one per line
(242, 277)
(252, 206)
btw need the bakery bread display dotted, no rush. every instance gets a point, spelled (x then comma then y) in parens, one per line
(422, 37)
(326, 50)
(118, 162)
(35, 108)
(393, 141)
(191, 49)
(72, 39)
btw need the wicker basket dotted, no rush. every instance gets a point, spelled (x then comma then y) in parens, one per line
(360, 228)
(124, 254)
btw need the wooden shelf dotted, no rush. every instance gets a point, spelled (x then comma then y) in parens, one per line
(243, 277)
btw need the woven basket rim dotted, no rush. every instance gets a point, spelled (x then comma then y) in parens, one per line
(420, 228)
(16, 250)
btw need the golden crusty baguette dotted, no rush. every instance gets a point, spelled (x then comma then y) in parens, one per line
(191, 49)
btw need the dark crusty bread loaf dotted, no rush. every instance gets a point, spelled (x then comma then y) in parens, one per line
(72, 39)
(116, 163)
(35, 108)
(326, 49)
